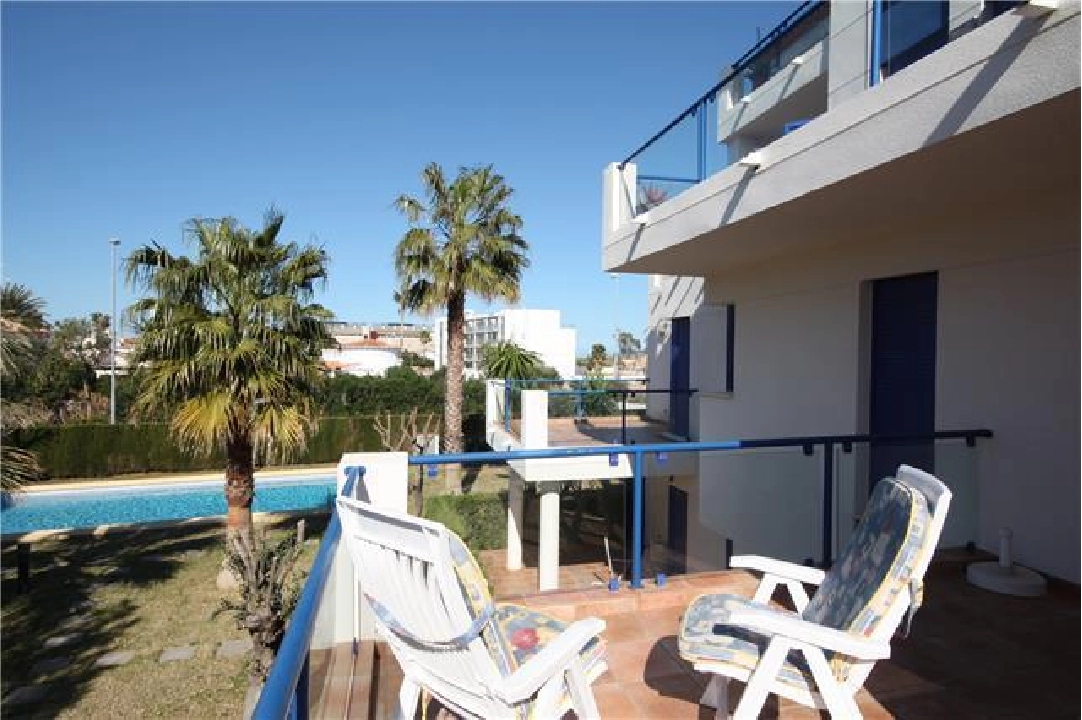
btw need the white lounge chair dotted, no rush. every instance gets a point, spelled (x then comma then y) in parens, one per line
(432, 606)
(821, 655)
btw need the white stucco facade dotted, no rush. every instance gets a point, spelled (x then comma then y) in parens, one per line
(536, 330)
(965, 165)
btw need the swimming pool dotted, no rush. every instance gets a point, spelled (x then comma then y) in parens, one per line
(61, 509)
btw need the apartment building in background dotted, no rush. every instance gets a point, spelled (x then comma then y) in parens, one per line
(537, 330)
(871, 229)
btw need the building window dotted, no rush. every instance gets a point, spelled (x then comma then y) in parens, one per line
(909, 31)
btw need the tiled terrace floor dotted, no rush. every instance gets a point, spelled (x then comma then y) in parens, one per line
(971, 653)
(601, 431)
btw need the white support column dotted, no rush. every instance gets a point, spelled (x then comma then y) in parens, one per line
(535, 434)
(548, 556)
(515, 507)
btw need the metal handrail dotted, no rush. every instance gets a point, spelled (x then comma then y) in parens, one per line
(639, 452)
(781, 30)
(285, 694)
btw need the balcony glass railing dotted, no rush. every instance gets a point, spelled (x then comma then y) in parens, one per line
(319, 639)
(687, 150)
(804, 34)
(793, 498)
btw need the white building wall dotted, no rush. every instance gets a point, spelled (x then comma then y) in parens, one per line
(535, 330)
(1007, 359)
(363, 361)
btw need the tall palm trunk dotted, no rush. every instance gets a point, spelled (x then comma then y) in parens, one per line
(239, 486)
(452, 401)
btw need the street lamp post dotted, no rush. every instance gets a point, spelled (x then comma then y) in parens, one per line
(115, 242)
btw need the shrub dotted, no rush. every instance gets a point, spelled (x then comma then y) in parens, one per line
(479, 519)
(67, 451)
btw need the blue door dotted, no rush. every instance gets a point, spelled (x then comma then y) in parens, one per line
(680, 377)
(902, 388)
(678, 531)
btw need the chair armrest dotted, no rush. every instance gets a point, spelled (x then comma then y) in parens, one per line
(768, 621)
(780, 568)
(556, 655)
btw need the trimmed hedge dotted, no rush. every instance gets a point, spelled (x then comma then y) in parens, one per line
(479, 519)
(66, 451)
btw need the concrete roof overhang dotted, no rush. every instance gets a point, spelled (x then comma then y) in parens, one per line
(1001, 133)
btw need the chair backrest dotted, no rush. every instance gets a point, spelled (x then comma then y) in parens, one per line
(879, 573)
(407, 570)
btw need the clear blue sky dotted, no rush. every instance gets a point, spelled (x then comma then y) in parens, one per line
(126, 119)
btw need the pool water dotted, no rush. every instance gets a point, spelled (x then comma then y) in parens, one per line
(60, 509)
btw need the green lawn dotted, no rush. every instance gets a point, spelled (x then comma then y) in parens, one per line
(161, 595)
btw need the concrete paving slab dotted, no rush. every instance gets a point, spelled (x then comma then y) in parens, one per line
(61, 640)
(233, 648)
(113, 659)
(177, 654)
(26, 695)
(51, 665)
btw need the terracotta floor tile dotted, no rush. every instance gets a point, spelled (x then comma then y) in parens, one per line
(613, 702)
(624, 627)
(653, 704)
(664, 621)
(641, 660)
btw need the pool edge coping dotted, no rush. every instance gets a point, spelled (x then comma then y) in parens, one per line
(31, 488)
(260, 518)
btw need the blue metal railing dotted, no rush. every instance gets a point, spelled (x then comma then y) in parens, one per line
(784, 28)
(638, 452)
(285, 694)
(509, 385)
(678, 169)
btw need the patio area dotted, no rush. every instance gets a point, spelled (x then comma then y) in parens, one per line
(971, 653)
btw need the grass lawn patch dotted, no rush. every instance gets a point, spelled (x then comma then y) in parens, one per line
(142, 592)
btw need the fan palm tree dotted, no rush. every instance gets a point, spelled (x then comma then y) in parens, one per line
(21, 317)
(463, 239)
(231, 343)
(509, 361)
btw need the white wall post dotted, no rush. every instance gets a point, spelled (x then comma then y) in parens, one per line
(618, 199)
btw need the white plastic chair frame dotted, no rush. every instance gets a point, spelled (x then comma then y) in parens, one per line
(405, 568)
(790, 632)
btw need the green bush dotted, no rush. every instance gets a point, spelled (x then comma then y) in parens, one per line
(480, 520)
(66, 451)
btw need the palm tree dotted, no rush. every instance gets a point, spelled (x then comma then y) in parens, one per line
(462, 239)
(509, 361)
(21, 317)
(231, 342)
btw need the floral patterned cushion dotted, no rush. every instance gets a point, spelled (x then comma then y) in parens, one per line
(470, 578)
(523, 632)
(874, 569)
(876, 565)
(515, 633)
(705, 637)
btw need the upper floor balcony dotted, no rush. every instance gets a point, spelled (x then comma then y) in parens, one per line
(800, 141)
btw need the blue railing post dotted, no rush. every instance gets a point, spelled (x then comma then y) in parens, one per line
(877, 34)
(828, 503)
(701, 159)
(636, 522)
(507, 404)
